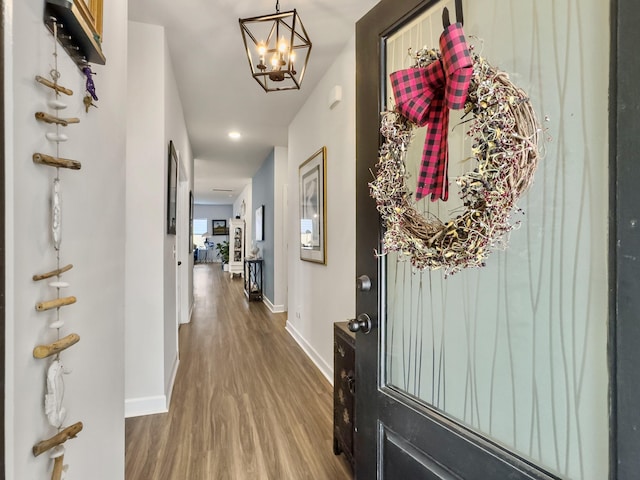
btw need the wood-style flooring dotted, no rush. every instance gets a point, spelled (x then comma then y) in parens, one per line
(247, 402)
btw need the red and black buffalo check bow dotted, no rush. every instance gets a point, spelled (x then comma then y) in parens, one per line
(425, 95)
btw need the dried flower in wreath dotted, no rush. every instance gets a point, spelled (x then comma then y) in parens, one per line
(505, 137)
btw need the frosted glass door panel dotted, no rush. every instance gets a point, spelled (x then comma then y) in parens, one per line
(518, 350)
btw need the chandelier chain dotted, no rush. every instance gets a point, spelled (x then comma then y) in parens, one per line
(277, 6)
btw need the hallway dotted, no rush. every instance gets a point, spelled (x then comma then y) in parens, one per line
(247, 402)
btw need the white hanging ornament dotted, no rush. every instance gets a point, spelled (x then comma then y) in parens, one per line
(53, 408)
(56, 137)
(56, 213)
(57, 324)
(57, 104)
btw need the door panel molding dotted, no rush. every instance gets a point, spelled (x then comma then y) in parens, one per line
(443, 438)
(369, 31)
(624, 240)
(409, 459)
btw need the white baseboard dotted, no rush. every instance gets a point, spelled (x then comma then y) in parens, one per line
(323, 366)
(169, 389)
(137, 407)
(273, 308)
(193, 304)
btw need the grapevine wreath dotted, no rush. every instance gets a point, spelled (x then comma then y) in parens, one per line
(504, 133)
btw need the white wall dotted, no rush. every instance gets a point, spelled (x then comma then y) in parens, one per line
(320, 295)
(154, 118)
(176, 131)
(146, 227)
(280, 202)
(94, 244)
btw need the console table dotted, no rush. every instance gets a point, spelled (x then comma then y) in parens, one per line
(253, 278)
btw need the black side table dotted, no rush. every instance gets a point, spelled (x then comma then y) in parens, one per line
(344, 389)
(253, 279)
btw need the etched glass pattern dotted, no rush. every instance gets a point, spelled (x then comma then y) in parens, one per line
(517, 350)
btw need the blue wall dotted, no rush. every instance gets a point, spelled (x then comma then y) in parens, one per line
(263, 194)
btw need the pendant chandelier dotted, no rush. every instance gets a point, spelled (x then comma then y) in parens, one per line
(278, 49)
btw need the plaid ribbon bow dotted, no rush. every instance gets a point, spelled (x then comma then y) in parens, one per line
(425, 95)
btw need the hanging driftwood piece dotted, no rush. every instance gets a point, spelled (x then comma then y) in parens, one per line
(58, 302)
(53, 273)
(58, 439)
(54, 86)
(44, 351)
(45, 159)
(47, 118)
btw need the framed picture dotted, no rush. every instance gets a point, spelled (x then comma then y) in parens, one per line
(260, 223)
(219, 227)
(313, 209)
(190, 242)
(172, 190)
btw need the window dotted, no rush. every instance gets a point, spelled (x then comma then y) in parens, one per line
(199, 226)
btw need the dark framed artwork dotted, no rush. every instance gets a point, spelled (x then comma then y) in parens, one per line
(260, 223)
(172, 190)
(313, 209)
(190, 242)
(219, 227)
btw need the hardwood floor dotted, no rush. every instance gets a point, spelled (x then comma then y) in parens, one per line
(247, 402)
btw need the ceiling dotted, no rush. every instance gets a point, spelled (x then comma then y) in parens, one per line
(217, 91)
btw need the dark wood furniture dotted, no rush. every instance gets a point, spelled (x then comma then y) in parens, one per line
(253, 279)
(344, 389)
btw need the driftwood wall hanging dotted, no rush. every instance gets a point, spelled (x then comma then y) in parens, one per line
(54, 409)
(505, 137)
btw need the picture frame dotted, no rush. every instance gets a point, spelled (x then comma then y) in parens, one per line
(260, 224)
(172, 189)
(313, 208)
(219, 227)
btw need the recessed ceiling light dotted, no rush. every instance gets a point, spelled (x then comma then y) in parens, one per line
(234, 135)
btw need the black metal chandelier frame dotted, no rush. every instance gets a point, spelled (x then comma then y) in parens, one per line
(282, 73)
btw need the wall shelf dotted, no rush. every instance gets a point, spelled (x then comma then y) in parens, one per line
(77, 34)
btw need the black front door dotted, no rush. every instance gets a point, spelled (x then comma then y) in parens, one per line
(504, 372)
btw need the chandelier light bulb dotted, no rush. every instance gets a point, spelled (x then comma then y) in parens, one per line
(275, 62)
(282, 45)
(262, 49)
